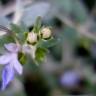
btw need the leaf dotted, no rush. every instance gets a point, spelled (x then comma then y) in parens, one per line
(15, 28)
(24, 27)
(76, 11)
(85, 42)
(48, 43)
(79, 12)
(40, 54)
(70, 34)
(32, 12)
(20, 31)
(56, 51)
(37, 25)
(66, 5)
(22, 58)
(6, 39)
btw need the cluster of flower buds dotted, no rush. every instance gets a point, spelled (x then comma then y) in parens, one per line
(11, 58)
(34, 37)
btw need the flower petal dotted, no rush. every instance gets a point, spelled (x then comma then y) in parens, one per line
(5, 59)
(12, 47)
(18, 67)
(7, 75)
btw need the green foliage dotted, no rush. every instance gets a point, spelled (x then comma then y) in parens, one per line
(79, 11)
(20, 31)
(40, 54)
(22, 58)
(48, 43)
(37, 25)
(86, 42)
(69, 34)
(6, 39)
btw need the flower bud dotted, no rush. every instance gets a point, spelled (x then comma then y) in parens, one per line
(46, 33)
(32, 38)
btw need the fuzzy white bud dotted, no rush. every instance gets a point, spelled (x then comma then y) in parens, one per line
(46, 33)
(32, 37)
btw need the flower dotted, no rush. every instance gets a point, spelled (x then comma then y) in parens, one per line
(11, 64)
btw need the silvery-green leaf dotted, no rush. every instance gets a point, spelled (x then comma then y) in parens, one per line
(33, 11)
(49, 43)
(76, 11)
(70, 34)
(64, 5)
(79, 11)
(20, 30)
(5, 40)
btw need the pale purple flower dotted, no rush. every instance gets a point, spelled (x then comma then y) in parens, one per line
(11, 64)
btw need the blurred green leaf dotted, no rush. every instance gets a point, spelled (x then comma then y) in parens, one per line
(20, 31)
(6, 39)
(76, 11)
(65, 5)
(69, 34)
(15, 28)
(48, 43)
(24, 27)
(85, 42)
(79, 11)
(33, 11)
(40, 54)
(19, 28)
(56, 51)
(37, 25)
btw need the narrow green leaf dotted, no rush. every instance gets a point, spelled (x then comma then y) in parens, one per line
(37, 25)
(48, 43)
(20, 31)
(6, 39)
(15, 28)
